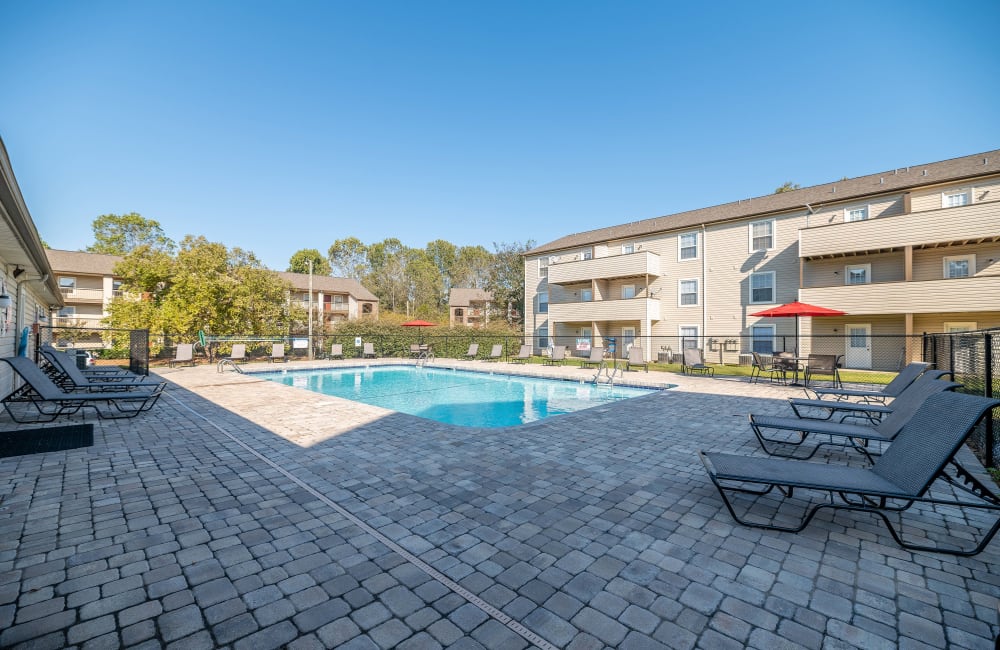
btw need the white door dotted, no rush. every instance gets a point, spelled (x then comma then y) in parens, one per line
(628, 338)
(859, 346)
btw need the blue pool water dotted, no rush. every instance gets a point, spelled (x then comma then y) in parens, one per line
(474, 399)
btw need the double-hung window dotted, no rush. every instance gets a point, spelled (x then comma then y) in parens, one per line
(543, 267)
(587, 254)
(628, 248)
(959, 266)
(586, 295)
(762, 235)
(856, 214)
(543, 302)
(689, 336)
(628, 291)
(762, 338)
(956, 198)
(687, 246)
(688, 292)
(762, 287)
(858, 274)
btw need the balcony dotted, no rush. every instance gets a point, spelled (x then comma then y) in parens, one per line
(642, 263)
(968, 224)
(631, 309)
(335, 307)
(82, 295)
(78, 321)
(925, 297)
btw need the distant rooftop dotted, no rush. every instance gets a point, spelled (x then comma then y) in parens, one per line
(324, 283)
(81, 262)
(463, 297)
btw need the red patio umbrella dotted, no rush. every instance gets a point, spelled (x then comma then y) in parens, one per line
(419, 323)
(798, 309)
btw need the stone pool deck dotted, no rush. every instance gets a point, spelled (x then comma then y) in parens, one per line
(244, 514)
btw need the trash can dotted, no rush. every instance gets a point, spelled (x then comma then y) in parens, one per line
(81, 359)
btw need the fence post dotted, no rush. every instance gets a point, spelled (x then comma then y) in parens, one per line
(988, 392)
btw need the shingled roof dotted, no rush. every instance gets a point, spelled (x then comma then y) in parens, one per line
(326, 283)
(81, 262)
(463, 297)
(894, 180)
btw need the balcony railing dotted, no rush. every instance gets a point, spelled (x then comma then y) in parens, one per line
(335, 307)
(630, 309)
(77, 321)
(641, 263)
(923, 297)
(83, 295)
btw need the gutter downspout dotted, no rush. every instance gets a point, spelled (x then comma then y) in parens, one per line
(704, 282)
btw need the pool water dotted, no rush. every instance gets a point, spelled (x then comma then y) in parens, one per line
(473, 399)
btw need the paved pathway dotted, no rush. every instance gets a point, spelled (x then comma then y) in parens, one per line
(246, 514)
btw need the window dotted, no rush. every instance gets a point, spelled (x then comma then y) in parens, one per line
(543, 302)
(687, 246)
(67, 312)
(762, 287)
(689, 336)
(856, 214)
(762, 235)
(953, 328)
(543, 267)
(762, 338)
(959, 266)
(628, 291)
(459, 312)
(116, 288)
(587, 254)
(688, 290)
(858, 274)
(366, 308)
(586, 295)
(628, 248)
(67, 284)
(543, 337)
(955, 199)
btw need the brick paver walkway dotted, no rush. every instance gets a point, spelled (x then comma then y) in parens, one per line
(245, 514)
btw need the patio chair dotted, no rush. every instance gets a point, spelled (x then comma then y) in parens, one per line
(184, 354)
(277, 353)
(50, 401)
(238, 354)
(863, 410)
(496, 352)
(923, 452)
(905, 377)
(64, 373)
(635, 359)
(473, 351)
(787, 362)
(596, 357)
(557, 357)
(773, 370)
(694, 363)
(522, 355)
(857, 435)
(823, 364)
(415, 350)
(109, 373)
(336, 351)
(368, 351)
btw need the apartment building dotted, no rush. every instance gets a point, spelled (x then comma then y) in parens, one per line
(910, 250)
(337, 299)
(87, 284)
(469, 307)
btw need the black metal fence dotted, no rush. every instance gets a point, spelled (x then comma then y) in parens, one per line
(115, 346)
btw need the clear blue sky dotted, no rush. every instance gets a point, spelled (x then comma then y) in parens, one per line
(276, 126)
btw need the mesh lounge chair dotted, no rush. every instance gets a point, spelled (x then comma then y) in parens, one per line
(523, 354)
(278, 353)
(857, 435)
(557, 357)
(922, 453)
(337, 351)
(473, 351)
(369, 351)
(635, 359)
(773, 370)
(905, 377)
(496, 352)
(184, 354)
(823, 364)
(866, 410)
(695, 363)
(64, 373)
(238, 354)
(50, 401)
(596, 357)
(109, 373)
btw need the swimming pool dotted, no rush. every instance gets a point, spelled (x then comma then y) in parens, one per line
(474, 399)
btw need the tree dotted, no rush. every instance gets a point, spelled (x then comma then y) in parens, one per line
(299, 262)
(116, 234)
(425, 283)
(349, 258)
(507, 274)
(787, 187)
(387, 275)
(472, 268)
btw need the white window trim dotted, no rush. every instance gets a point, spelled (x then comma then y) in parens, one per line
(635, 291)
(773, 335)
(67, 277)
(587, 254)
(588, 290)
(543, 267)
(680, 247)
(866, 267)
(774, 234)
(774, 288)
(540, 303)
(681, 336)
(971, 257)
(967, 191)
(847, 213)
(71, 313)
(959, 326)
(697, 292)
(629, 243)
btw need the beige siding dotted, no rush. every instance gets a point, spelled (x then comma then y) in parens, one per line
(887, 267)
(928, 264)
(885, 206)
(965, 294)
(932, 323)
(930, 198)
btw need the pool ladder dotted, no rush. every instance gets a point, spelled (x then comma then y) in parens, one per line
(425, 357)
(610, 372)
(221, 367)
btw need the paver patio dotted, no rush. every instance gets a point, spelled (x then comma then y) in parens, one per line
(245, 514)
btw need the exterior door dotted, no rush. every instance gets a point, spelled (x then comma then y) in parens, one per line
(859, 347)
(628, 338)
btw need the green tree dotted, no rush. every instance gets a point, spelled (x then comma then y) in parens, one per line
(120, 234)
(425, 283)
(507, 275)
(387, 277)
(299, 263)
(349, 258)
(787, 187)
(472, 267)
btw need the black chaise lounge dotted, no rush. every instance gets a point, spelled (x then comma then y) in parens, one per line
(861, 410)
(51, 401)
(67, 376)
(843, 433)
(898, 384)
(922, 454)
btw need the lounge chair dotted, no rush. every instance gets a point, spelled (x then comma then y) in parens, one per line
(496, 352)
(66, 375)
(596, 357)
(184, 354)
(905, 377)
(277, 353)
(51, 401)
(773, 370)
(866, 410)
(415, 350)
(557, 357)
(695, 363)
(823, 364)
(523, 354)
(635, 359)
(921, 453)
(337, 351)
(110, 373)
(856, 435)
(369, 351)
(473, 351)
(238, 354)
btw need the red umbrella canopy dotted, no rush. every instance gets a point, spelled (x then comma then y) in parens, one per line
(799, 309)
(417, 323)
